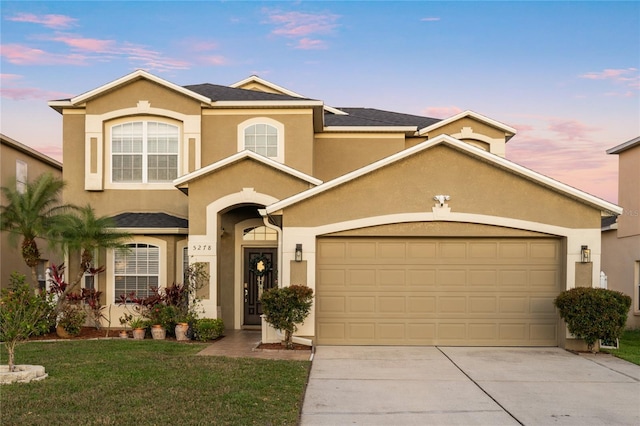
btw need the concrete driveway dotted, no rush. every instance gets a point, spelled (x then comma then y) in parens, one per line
(380, 385)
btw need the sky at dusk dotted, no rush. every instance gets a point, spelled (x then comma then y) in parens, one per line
(564, 74)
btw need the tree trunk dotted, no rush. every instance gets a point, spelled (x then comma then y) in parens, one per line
(11, 349)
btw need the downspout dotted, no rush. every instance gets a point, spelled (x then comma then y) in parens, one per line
(268, 224)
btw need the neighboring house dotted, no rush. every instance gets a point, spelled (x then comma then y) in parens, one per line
(621, 238)
(19, 164)
(411, 230)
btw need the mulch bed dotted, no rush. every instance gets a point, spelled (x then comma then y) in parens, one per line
(279, 346)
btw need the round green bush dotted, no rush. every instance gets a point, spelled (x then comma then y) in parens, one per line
(594, 313)
(208, 328)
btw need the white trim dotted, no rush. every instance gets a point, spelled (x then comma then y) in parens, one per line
(376, 129)
(624, 146)
(139, 74)
(242, 127)
(462, 146)
(238, 275)
(241, 156)
(496, 145)
(136, 239)
(307, 236)
(281, 90)
(470, 114)
(159, 231)
(210, 239)
(271, 103)
(255, 79)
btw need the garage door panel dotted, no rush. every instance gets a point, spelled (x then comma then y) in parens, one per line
(437, 291)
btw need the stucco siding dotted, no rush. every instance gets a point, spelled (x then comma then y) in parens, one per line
(336, 156)
(474, 186)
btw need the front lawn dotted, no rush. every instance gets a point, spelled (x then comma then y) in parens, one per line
(629, 347)
(128, 382)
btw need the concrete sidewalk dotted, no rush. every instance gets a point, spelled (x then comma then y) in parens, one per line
(469, 386)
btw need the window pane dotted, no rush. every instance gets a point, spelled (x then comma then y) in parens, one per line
(137, 269)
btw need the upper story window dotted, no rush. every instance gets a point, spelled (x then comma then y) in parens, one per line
(263, 136)
(21, 176)
(262, 139)
(144, 152)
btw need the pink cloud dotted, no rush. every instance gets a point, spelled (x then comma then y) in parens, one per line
(298, 24)
(53, 151)
(430, 19)
(9, 77)
(611, 74)
(442, 112)
(24, 93)
(89, 44)
(571, 130)
(217, 60)
(49, 21)
(24, 55)
(310, 44)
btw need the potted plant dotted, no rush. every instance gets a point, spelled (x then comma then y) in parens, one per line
(139, 326)
(124, 321)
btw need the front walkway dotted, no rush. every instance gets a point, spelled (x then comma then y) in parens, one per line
(243, 343)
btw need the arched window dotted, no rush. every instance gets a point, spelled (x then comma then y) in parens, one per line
(262, 139)
(144, 152)
(136, 269)
(263, 136)
(260, 233)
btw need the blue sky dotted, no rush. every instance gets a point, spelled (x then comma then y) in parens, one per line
(564, 74)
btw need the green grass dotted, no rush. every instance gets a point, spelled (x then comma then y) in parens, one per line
(115, 382)
(629, 347)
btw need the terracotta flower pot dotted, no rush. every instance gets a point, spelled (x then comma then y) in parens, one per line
(61, 332)
(181, 331)
(138, 333)
(123, 335)
(158, 332)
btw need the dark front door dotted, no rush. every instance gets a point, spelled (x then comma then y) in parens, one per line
(259, 275)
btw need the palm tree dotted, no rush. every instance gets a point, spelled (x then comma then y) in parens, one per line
(84, 232)
(34, 213)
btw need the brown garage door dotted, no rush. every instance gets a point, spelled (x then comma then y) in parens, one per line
(437, 291)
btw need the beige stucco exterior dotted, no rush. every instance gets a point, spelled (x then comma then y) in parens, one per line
(621, 242)
(326, 182)
(35, 164)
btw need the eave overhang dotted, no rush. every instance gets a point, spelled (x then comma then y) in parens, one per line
(602, 205)
(182, 182)
(509, 131)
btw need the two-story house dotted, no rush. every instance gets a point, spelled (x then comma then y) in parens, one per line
(20, 164)
(621, 237)
(411, 230)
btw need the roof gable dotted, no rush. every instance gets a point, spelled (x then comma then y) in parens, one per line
(183, 181)
(509, 131)
(492, 159)
(136, 75)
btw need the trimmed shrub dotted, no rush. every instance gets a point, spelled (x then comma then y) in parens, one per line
(594, 313)
(285, 307)
(208, 328)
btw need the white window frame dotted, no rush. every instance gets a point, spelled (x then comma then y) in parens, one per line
(162, 265)
(270, 122)
(22, 175)
(144, 184)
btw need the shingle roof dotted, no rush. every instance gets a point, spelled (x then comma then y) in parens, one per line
(376, 117)
(224, 93)
(607, 221)
(149, 220)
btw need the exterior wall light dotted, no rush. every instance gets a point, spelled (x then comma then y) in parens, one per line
(585, 254)
(298, 253)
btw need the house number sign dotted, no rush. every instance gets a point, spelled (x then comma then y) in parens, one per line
(200, 248)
